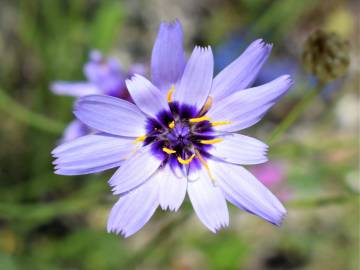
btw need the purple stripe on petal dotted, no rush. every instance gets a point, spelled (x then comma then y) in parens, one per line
(196, 81)
(172, 189)
(134, 209)
(135, 170)
(208, 202)
(74, 89)
(168, 56)
(111, 115)
(240, 149)
(241, 73)
(146, 96)
(246, 108)
(242, 189)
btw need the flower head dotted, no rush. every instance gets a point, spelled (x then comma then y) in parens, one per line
(179, 137)
(326, 55)
(105, 76)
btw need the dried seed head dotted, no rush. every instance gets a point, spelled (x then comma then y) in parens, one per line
(326, 55)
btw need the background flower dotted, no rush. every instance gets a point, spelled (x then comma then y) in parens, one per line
(105, 76)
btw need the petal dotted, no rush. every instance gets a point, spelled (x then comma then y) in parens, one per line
(75, 89)
(242, 189)
(168, 56)
(135, 170)
(196, 81)
(74, 130)
(172, 189)
(111, 115)
(146, 96)
(240, 149)
(134, 209)
(208, 202)
(245, 108)
(91, 153)
(241, 73)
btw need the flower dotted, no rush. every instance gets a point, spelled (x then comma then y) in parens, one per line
(273, 175)
(179, 137)
(104, 77)
(326, 55)
(270, 173)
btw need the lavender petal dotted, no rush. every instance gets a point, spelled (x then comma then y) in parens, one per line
(242, 189)
(134, 209)
(241, 73)
(245, 108)
(111, 115)
(146, 96)
(240, 149)
(135, 170)
(208, 202)
(168, 56)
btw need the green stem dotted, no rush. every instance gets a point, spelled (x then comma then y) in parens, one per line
(22, 114)
(294, 114)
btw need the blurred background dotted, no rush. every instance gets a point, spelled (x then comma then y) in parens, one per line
(55, 222)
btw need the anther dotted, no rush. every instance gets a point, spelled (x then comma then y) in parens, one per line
(140, 139)
(199, 119)
(185, 161)
(170, 93)
(168, 151)
(213, 141)
(172, 124)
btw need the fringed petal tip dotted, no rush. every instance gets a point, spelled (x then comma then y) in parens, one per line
(219, 227)
(261, 43)
(201, 49)
(171, 24)
(121, 232)
(287, 79)
(280, 220)
(170, 208)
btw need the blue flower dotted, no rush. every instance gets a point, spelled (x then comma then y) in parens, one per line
(105, 76)
(179, 137)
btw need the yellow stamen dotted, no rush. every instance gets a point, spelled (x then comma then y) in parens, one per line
(220, 123)
(170, 93)
(207, 105)
(213, 141)
(199, 119)
(168, 151)
(172, 124)
(204, 163)
(185, 161)
(140, 139)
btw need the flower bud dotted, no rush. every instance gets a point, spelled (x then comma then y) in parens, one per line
(326, 55)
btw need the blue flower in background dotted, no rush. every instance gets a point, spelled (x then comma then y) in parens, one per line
(105, 76)
(179, 136)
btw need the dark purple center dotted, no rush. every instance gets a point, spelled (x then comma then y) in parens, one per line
(182, 136)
